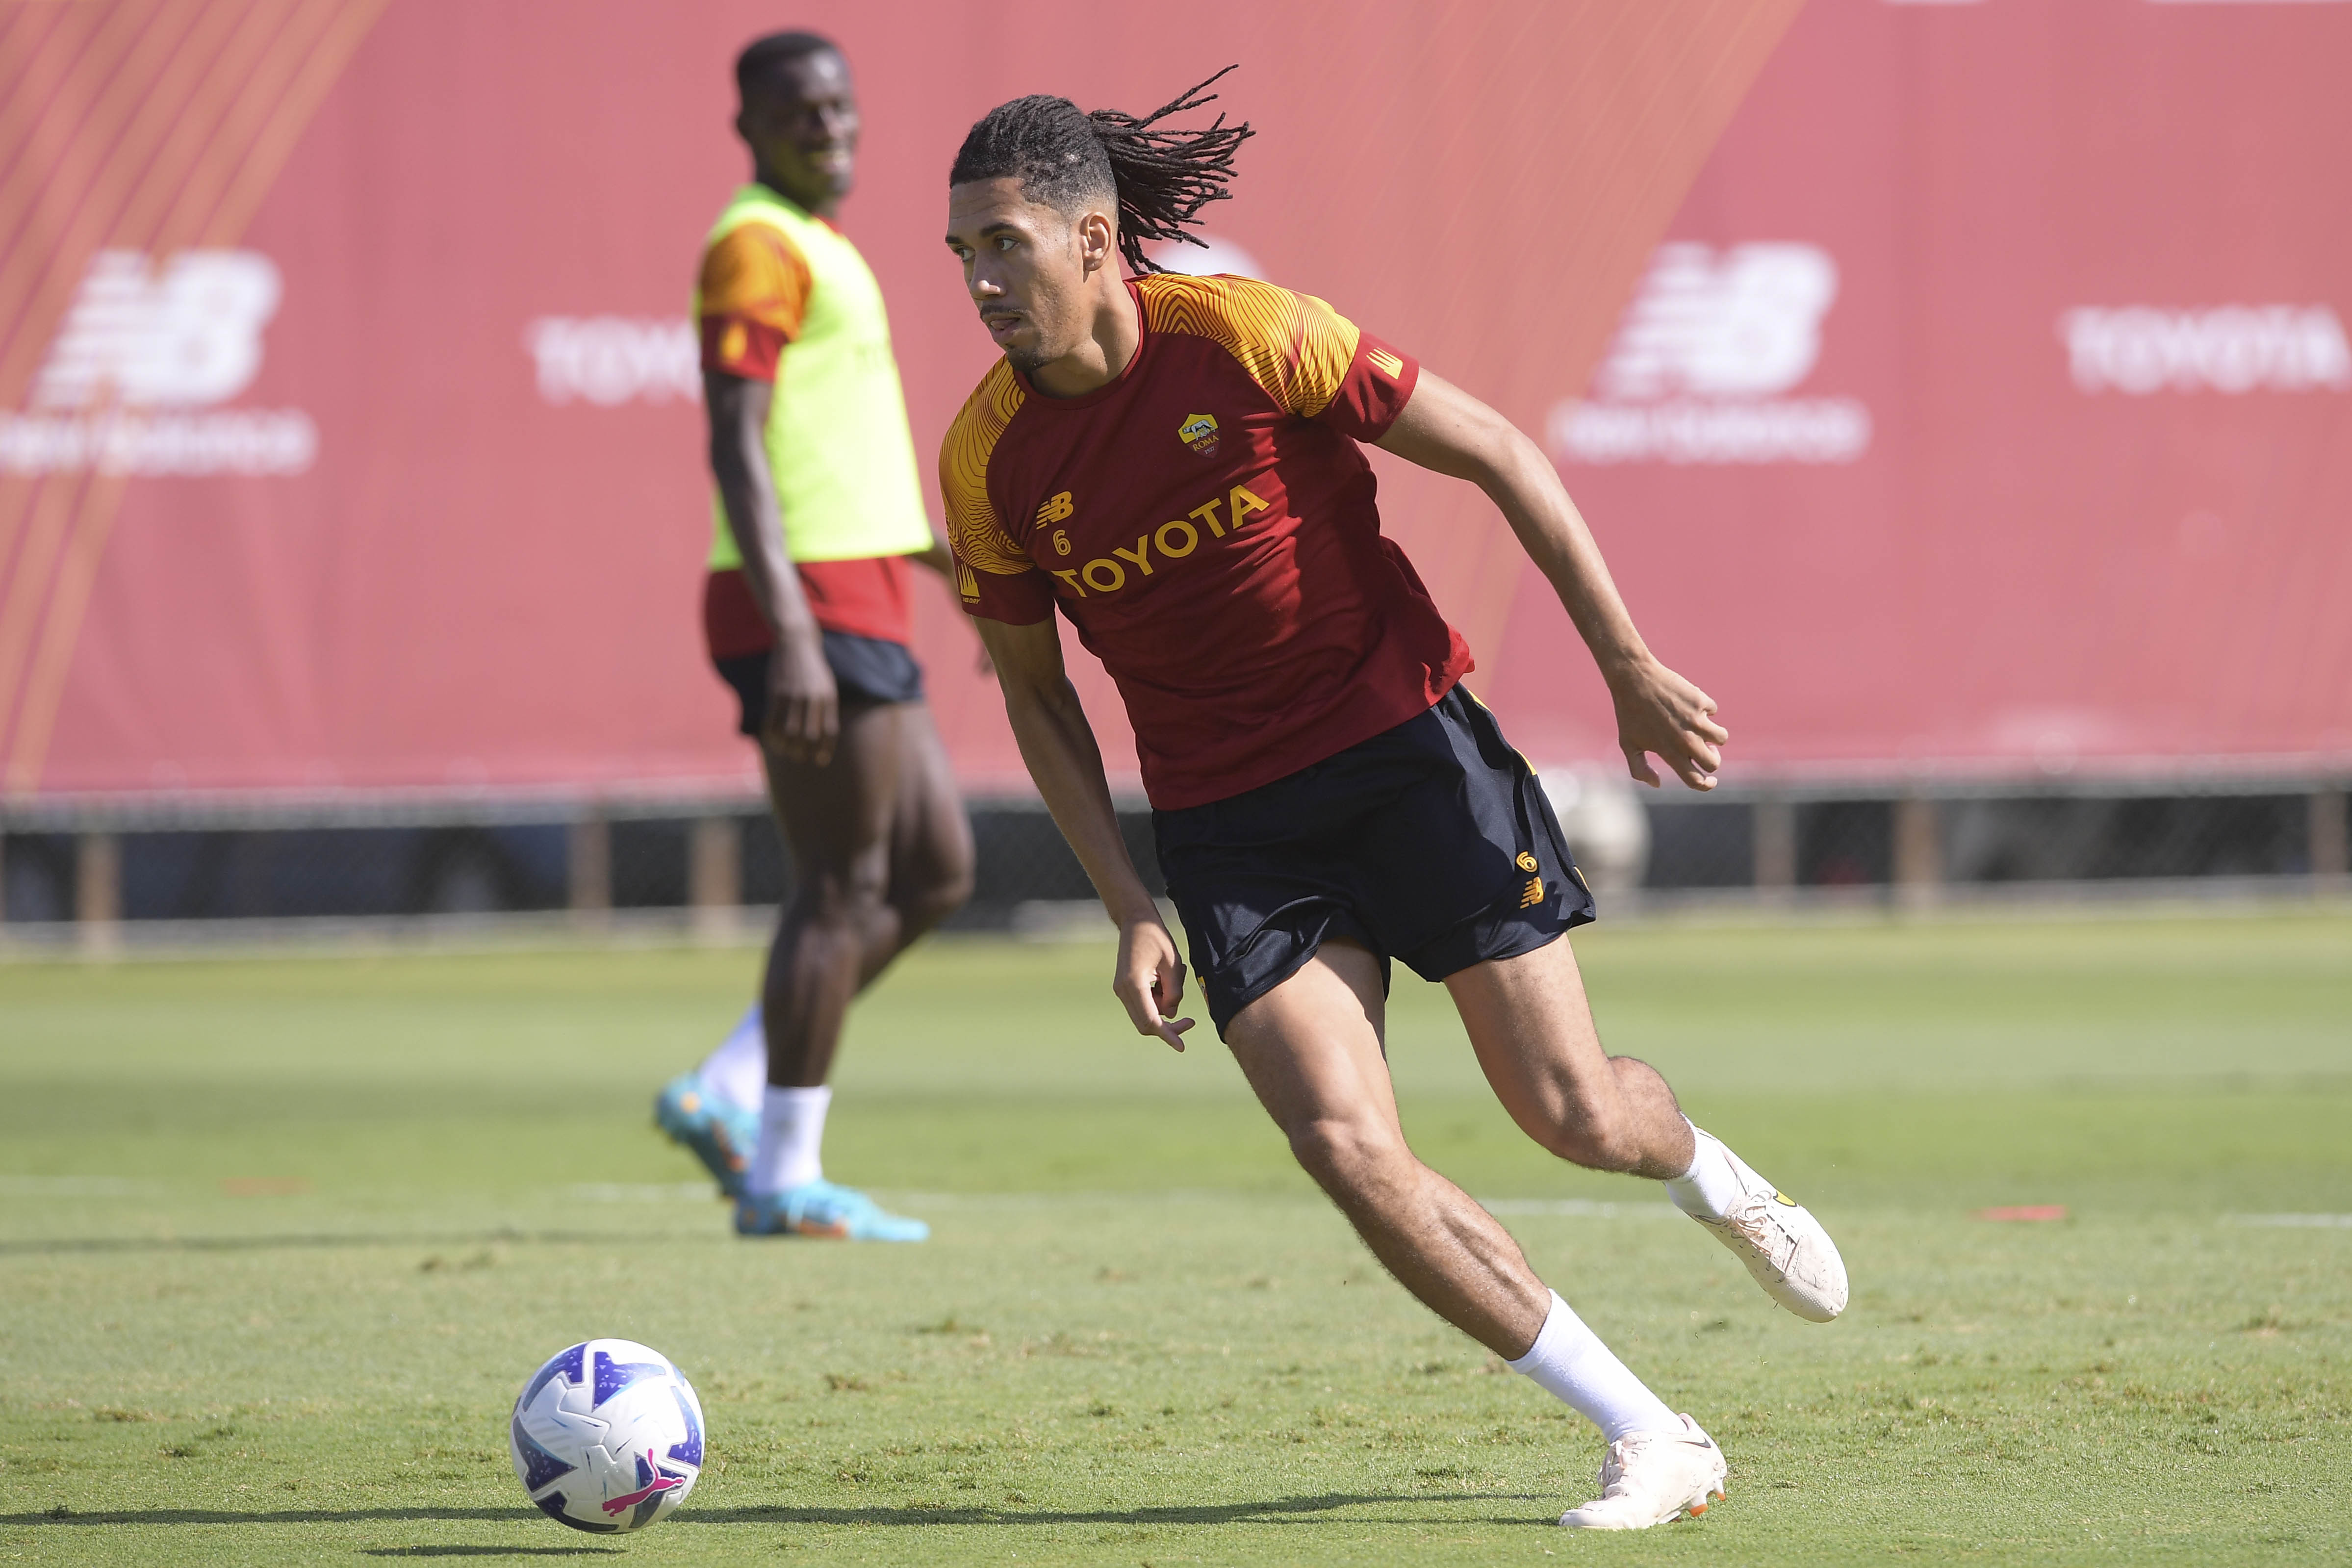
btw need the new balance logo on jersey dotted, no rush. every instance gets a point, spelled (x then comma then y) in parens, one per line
(1059, 509)
(145, 342)
(1387, 364)
(1709, 345)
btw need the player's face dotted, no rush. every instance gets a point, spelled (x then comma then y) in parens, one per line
(1025, 265)
(804, 130)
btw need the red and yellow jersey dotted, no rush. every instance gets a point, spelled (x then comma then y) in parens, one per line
(1208, 525)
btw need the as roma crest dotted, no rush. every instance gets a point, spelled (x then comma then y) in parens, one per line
(1199, 432)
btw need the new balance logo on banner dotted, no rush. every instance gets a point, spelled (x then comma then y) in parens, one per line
(2139, 349)
(188, 333)
(1710, 341)
(141, 347)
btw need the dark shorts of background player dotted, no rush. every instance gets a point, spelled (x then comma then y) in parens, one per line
(866, 669)
(1432, 842)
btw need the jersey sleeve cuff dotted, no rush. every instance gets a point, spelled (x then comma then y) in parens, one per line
(1379, 384)
(742, 345)
(1018, 599)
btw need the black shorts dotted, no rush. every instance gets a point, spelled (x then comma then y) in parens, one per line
(864, 670)
(1432, 842)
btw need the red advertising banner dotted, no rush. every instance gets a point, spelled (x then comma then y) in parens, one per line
(1987, 409)
(1954, 387)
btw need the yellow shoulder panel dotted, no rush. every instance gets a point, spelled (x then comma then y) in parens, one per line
(973, 527)
(755, 270)
(1294, 345)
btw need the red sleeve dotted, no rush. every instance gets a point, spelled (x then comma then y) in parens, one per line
(1020, 599)
(996, 577)
(754, 293)
(1378, 384)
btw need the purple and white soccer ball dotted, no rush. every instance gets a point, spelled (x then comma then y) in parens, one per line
(607, 1436)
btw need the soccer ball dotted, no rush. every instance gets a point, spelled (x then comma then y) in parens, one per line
(607, 1436)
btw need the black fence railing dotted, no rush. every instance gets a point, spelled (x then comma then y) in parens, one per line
(95, 864)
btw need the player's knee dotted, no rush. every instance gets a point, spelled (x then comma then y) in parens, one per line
(846, 897)
(1349, 1158)
(940, 894)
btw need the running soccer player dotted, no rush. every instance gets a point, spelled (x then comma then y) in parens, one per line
(818, 515)
(1172, 464)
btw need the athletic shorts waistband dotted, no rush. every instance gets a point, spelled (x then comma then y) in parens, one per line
(1433, 842)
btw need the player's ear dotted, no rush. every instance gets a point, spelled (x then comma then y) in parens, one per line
(1097, 239)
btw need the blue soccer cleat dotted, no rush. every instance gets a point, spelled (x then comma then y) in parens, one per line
(823, 1209)
(723, 1136)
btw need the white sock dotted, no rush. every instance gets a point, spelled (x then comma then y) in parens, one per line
(737, 1072)
(1710, 1187)
(1568, 1361)
(792, 1134)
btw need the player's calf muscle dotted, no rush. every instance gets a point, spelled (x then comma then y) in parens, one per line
(1598, 1137)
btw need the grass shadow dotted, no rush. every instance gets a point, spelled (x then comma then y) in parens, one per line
(1174, 1514)
(123, 1243)
(66, 1516)
(493, 1551)
(1275, 1510)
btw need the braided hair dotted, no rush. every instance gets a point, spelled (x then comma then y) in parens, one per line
(1064, 156)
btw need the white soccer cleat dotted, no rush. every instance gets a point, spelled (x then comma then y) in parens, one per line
(1784, 1246)
(1652, 1478)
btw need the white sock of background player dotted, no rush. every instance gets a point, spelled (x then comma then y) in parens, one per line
(792, 1135)
(792, 1120)
(1568, 1361)
(737, 1072)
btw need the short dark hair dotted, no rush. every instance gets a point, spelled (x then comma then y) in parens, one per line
(756, 67)
(1062, 154)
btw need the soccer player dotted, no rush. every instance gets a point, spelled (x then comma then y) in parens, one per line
(818, 515)
(1172, 464)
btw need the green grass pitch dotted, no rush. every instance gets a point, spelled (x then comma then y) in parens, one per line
(281, 1237)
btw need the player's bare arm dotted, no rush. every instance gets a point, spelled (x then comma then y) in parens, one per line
(1446, 430)
(1058, 746)
(803, 703)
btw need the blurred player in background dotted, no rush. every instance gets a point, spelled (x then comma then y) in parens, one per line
(1172, 464)
(819, 520)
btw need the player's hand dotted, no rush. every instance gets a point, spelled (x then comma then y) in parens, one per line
(804, 704)
(1659, 712)
(1150, 980)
